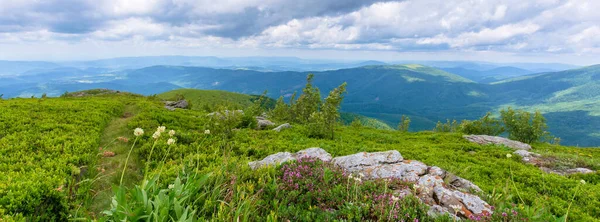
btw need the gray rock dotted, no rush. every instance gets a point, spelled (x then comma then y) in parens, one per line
(172, 105)
(409, 171)
(485, 139)
(525, 153)
(461, 183)
(367, 159)
(263, 123)
(473, 203)
(579, 170)
(437, 211)
(436, 171)
(282, 126)
(314, 152)
(424, 187)
(273, 159)
(448, 200)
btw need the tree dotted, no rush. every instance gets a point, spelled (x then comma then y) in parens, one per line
(309, 102)
(404, 123)
(331, 107)
(446, 127)
(281, 111)
(524, 126)
(486, 125)
(356, 123)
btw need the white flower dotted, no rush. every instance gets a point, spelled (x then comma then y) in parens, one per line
(156, 135)
(350, 176)
(582, 181)
(357, 179)
(456, 208)
(394, 198)
(161, 129)
(171, 133)
(361, 175)
(138, 132)
(171, 141)
(508, 155)
(206, 131)
(171, 186)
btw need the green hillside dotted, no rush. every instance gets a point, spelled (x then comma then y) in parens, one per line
(212, 99)
(51, 160)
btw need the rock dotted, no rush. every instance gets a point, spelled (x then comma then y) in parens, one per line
(367, 159)
(409, 171)
(462, 184)
(436, 171)
(525, 153)
(437, 211)
(447, 199)
(314, 152)
(172, 105)
(273, 159)
(282, 126)
(473, 203)
(263, 123)
(485, 139)
(424, 188)
(402, 193)
(579, 170)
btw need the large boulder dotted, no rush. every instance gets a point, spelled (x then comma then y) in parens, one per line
(314, 152)
(367, 159)
(485, 139)
(282, 126)
(172, 105)
(262, 123)
(271, 160)
(409, 170)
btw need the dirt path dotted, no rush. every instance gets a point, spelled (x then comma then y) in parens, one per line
(112, 158)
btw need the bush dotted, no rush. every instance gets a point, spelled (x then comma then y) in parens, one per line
(446, 127)
(404, 124)
(487, 125)
(524, 126)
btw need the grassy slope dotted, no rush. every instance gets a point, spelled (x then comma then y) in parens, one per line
(210, 99)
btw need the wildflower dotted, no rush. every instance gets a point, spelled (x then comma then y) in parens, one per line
(123, 139)
(206, 131)
(456, 208)
(582, 181)
(350, 176)
(171, 141)
(394, 198)
(161, 129)
(361, 175)
(171, 186)
(504, 214)
(138, 132)
(508, 155)
(171, 133)
(156, 135)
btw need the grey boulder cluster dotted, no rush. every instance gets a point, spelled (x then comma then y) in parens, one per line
(172, 105)
(496, 140)
(444, 192)
(522, 150)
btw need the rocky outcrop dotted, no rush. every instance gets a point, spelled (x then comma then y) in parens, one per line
(281, 157)
(172, 105)
(445, 192)
(263, 123)
(485, 140)
(539, 161)
(282, 127)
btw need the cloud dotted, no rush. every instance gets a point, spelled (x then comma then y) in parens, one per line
(504, 26)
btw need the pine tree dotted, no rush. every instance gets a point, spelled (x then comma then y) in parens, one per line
(281, 111)
(309, 102)
(331, 107)
(404, 123)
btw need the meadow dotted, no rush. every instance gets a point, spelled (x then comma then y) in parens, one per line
(202, 174)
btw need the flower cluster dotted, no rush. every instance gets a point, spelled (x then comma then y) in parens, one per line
(138, 132)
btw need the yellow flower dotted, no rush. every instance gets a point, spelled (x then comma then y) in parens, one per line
(508, 155)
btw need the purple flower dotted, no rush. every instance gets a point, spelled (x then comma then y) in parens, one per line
(504, 214)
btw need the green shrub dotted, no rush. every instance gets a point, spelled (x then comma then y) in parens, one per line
(524, 126)
(404, 124)
(487, 125)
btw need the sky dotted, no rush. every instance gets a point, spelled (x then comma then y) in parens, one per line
(566, 31)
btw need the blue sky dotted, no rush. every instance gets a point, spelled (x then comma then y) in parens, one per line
(565, 31)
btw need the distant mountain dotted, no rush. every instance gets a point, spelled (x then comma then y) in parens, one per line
(490, 75)
(13, 68)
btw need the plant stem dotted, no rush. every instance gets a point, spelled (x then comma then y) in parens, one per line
(514, 185)
(127, 160)
(148, 161)
(572, 199)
